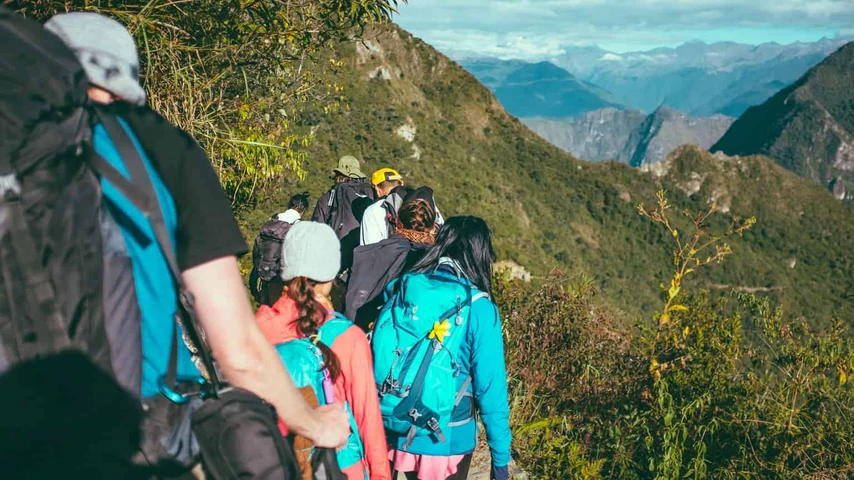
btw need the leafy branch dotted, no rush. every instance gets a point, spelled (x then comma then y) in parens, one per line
(699, 249)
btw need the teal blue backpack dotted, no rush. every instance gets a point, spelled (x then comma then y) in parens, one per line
(304, 362)
(416, 343)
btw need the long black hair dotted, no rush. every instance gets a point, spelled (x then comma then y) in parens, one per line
(467, 241)
(299, 202)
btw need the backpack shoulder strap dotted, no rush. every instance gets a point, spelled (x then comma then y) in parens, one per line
(477, 296)
(46, 334)
(390, 216)
(139, 190)
(333, 328)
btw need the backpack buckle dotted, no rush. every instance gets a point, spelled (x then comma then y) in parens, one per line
(201, 390)
(415, 414)
(10, 188)
(389, 385)
(433, 424)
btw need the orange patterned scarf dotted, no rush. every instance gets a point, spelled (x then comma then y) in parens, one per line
(415, 237)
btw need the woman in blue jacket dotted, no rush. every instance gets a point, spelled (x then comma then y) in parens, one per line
(463, 253)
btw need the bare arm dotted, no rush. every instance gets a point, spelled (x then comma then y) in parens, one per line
(246, 358)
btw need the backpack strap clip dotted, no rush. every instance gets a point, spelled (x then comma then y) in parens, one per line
(10, 188)
(433, 425)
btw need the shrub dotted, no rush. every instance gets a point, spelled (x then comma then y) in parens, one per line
(724, 388)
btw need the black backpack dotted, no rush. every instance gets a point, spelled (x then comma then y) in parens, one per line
(267, 251)
(347, 203)
(392, 204)
(51, 274)
(374, 267)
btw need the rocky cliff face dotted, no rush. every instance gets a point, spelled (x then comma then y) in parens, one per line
(598, 135)
(808, 127)
(665, 129)
(629, 136)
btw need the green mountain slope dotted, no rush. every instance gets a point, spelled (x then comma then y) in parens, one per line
(807, 127)
(412, 108)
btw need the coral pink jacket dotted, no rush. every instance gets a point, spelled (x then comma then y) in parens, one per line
(356, 383)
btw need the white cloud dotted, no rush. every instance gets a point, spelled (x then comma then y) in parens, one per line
(541, 28)
(611, 57)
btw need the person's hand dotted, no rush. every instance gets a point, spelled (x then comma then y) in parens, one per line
(332, 427)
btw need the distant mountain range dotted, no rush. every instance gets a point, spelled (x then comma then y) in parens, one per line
(807, 127)
(542, 89)
(698, 78)
(630, 136)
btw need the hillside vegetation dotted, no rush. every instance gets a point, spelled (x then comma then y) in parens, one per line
(410, 107)
(807, 127)
(717, 389)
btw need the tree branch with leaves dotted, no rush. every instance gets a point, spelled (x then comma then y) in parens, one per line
(698, 249)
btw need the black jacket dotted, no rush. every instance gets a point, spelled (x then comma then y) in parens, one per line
(374, 266)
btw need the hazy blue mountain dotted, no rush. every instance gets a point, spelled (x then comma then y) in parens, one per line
(697, 78)
(630, 136)
(539, 89)
(491, 71)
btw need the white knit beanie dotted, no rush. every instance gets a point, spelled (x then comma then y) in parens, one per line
(311, 250)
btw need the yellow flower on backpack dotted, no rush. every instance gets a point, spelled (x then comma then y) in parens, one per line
(441, 330)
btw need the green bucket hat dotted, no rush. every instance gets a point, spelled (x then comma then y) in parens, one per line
(348, 166)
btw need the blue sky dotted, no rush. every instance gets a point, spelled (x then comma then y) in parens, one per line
(533, 29)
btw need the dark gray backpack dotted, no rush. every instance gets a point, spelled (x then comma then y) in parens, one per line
(51, 247)
(267, 251)
(347, 203)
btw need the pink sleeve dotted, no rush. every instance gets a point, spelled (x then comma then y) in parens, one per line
(357, 374)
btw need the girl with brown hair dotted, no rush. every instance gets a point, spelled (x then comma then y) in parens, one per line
(304, 317)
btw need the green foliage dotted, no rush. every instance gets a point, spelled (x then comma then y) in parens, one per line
(548, 210)
(735, 389)
(232, 73)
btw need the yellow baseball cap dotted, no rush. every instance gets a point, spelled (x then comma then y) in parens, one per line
(385, 175)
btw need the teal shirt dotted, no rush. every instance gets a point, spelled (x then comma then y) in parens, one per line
(155, 287)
